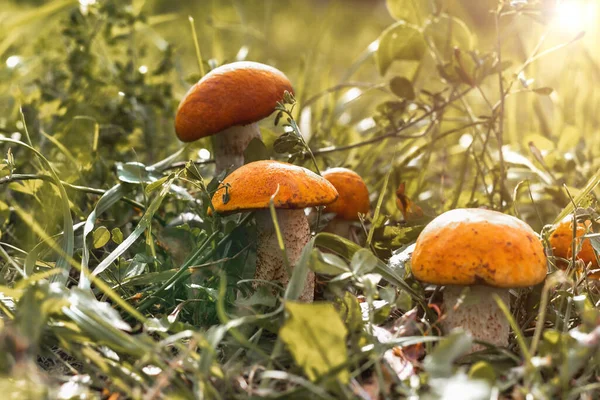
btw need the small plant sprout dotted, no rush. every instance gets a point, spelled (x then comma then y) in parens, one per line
(291, 189)
(226, 104)
(487, 251)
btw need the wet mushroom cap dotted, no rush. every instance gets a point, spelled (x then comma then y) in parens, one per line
(233, 94)
(354, 195)
(474, 246)
(252, 185)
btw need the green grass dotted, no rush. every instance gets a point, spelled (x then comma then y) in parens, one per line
(117, 283)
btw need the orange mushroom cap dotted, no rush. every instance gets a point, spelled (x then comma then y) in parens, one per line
(561, 241)
(473, 246)
(252, 185)
(354, 195)
(239, 93)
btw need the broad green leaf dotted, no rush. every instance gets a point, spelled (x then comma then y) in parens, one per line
(414, 11)
(402, 88)
(327, 263)
(400, 41)
(363, 262)
(135, 172)
(315, 335)
(447, 32)
(101, 236)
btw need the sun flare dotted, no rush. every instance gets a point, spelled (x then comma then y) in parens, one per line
(574, 16)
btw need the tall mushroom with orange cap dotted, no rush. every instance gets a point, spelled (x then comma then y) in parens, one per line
(293, 188)
(227, 103)
(486, 250)
(561, 241)
(353, 199)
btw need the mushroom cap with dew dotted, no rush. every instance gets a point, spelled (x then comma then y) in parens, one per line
(353, 194)
(479, 247)
(233, 94)
(251, 187)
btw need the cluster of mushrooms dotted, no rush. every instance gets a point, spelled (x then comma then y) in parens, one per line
(488, 251)
(226, 104)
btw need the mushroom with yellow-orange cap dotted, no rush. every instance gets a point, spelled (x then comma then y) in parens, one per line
(561, 241)
(293, 188)
(353, 200)
(227, 103)
(486, 250)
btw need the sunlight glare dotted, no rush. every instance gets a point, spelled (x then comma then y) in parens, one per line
(203, 154)
(574, 16)
(13, 61)
(84, 5)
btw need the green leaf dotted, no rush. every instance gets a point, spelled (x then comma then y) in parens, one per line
(484, 371)
(350, 311)
(440, 363)
(156, 184)
(315, 335)
(135, 172)
(117, 235)
(363, 262)
(400, 41)
(447, 32)
(255, 151)
(402, 88)
(299, 273)
(101, 237)
(413, 11)
(4, 212)
(346, 249)
(327, 263)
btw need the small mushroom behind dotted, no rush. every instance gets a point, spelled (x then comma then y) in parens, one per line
(486, 250)
(353, 199)
(561, 241)
(251, 187)
(226, 104)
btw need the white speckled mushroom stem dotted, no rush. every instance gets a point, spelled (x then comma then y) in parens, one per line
(269, 258)
(478, 314)
(229, 146)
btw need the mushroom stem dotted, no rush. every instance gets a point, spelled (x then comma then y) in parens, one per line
(230, 144)
(270, 264)
(341, 227)
(478, 313)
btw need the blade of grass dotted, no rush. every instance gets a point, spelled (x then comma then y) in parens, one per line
(139, 229)
(379, 203)
(69, 237)
(107, 200)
